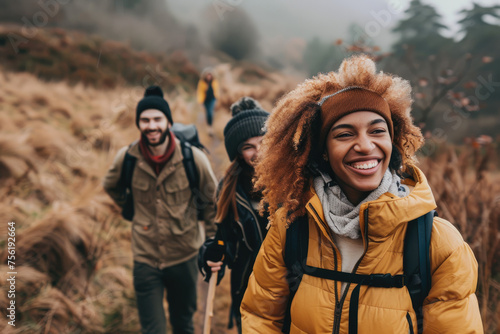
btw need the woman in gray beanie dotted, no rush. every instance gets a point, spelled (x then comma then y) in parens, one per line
(240, 228)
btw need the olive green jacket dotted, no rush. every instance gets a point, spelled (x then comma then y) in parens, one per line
(165, 228)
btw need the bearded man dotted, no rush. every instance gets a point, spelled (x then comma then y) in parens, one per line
(166, 233)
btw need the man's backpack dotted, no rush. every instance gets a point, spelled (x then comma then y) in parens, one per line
(416, 268)
(188, 136)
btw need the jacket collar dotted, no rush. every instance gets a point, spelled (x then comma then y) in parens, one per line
(388, 211)
(167, 169)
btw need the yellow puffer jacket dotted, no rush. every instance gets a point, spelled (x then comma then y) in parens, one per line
(201, 90)
(318, 306)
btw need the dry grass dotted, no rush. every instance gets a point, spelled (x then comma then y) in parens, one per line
(73, 253)
(466, 185)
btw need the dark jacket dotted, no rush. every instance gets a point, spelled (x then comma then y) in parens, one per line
(242, 240)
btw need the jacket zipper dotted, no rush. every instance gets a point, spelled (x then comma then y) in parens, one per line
(244, 235)
(244, 275)
(344, 295)
(338, 304)
(237, 252)
(247, 206)
(244, 204)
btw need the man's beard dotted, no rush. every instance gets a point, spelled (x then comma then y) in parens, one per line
(163, 137)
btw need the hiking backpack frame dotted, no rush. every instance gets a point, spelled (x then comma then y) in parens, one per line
(416, 269)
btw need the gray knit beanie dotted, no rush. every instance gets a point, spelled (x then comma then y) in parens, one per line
(248, 121)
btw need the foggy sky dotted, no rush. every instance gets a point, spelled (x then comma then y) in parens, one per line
(326, 19)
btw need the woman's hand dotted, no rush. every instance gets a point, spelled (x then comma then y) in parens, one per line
(214, 266)
(210, 259)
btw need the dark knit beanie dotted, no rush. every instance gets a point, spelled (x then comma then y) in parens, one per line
(248, 121)
(153, 99)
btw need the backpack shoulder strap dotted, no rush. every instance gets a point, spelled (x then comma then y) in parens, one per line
(296, 244)
(416, 261)
(192, 175)
(128, 170)
(190, 165)
(125, 183)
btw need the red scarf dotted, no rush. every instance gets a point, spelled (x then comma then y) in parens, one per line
(157, 162)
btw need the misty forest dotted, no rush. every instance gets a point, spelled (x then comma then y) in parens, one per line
(72, 72)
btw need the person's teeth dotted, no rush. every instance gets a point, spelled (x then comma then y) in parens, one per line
(366, 165)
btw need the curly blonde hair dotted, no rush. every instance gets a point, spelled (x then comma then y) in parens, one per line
(290, 146)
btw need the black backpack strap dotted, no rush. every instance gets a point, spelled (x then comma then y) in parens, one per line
(127, 172)
(190, 165)
(297, 241)
(416, 262)
(125, 183)
(417, 276)
(193, 176)
(373, 280)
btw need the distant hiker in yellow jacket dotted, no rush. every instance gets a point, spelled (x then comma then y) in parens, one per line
(338, 159)
(207, 94)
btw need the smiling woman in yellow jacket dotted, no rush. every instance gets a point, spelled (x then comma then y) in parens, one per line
(339, 150)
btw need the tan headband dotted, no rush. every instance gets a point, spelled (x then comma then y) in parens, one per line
(347, 101)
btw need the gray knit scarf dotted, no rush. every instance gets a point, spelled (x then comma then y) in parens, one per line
(341, 215)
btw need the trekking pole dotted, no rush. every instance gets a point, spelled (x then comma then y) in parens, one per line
(212, 283)
(209, 311)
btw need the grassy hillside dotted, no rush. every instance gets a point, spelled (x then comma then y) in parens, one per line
(55, 54)
(57, 139)
(59, 131)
